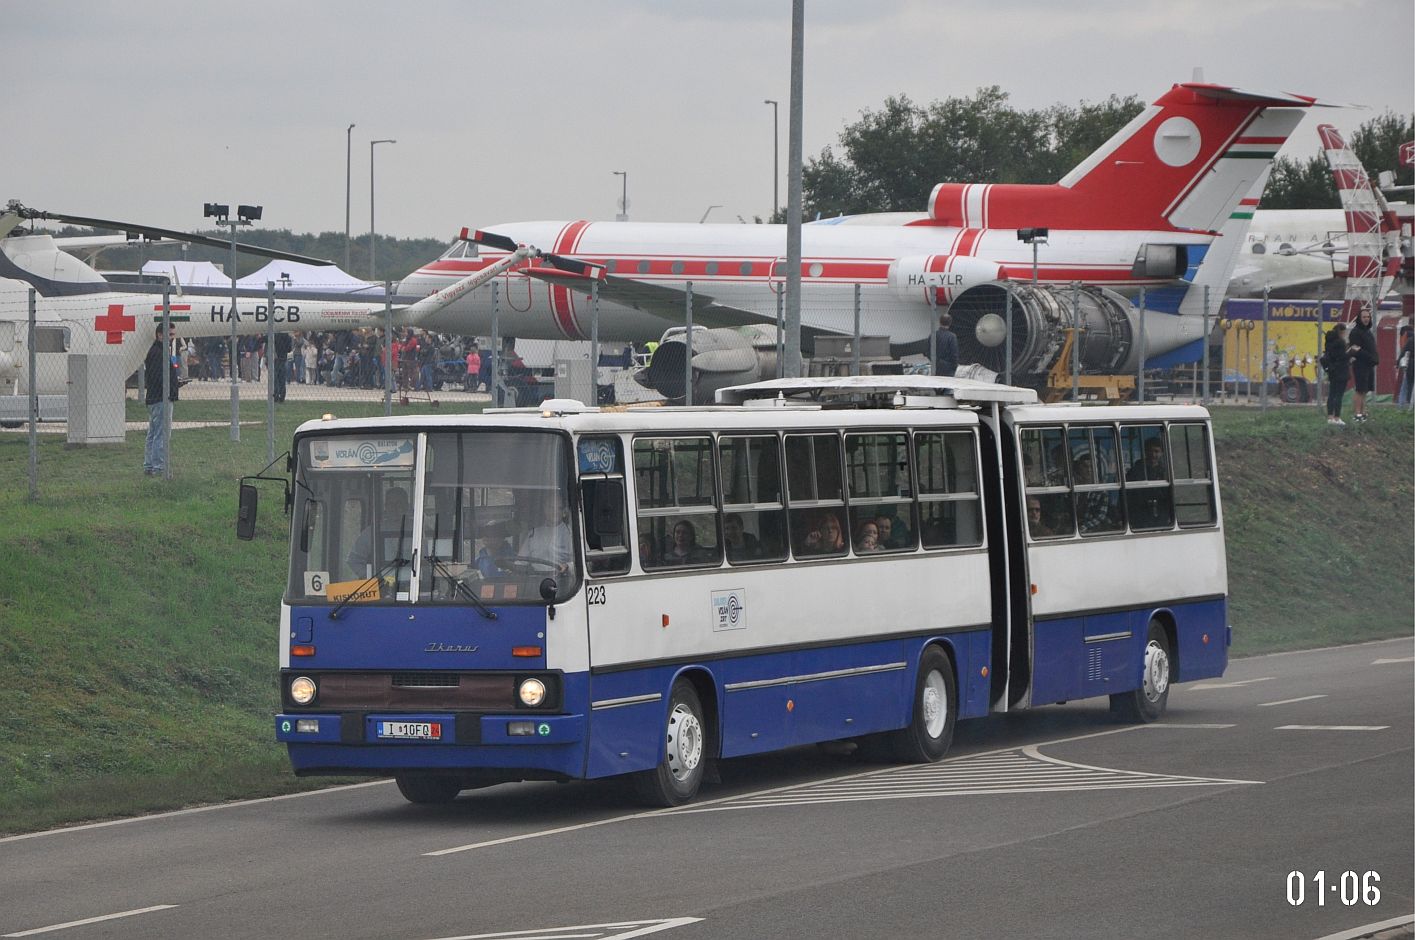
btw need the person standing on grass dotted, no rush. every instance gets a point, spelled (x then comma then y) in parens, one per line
(1406, 363)
(154, 459)
(1338, 366)
(1362, 346)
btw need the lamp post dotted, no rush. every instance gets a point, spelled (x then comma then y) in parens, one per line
(775, 159)
(348, 188)
(1034, 237)
(245, 215)
(372, 233)
(623, 215)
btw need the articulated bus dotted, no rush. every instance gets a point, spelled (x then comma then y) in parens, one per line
(568, 593)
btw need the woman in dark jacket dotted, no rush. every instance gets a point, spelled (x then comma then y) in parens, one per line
(1362, 346)
(1338, 372)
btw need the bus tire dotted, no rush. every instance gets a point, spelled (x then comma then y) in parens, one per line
(1147, 703)
(930, 730)
(428, 788)
(678, 776)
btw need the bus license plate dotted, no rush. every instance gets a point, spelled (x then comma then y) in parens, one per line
(411, 730)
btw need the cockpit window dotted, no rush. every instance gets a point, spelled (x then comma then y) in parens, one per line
(459, 249)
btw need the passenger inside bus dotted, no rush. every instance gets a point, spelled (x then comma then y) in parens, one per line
(894, 533)
(867, 537)
(741, 545)
(1035, 523)
(1094, 509)
(823, 535)
(685, 549)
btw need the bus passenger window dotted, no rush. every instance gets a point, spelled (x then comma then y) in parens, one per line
(1147, 495)
(813, 486)
(950, 511)
(753, 512)
(1095, 479)
(881, 490)
(1047, 470)
(677, 508)
(1193, 481)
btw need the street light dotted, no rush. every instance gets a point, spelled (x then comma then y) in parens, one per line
(348, 188)
(775, 159)
(623, 215)
(245, 215)
(372, 235)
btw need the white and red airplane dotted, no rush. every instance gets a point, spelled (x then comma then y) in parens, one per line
(1144, 211)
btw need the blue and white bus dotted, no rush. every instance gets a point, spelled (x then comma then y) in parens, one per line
(567, 593)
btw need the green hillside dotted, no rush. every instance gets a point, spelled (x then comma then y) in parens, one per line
(138, 640)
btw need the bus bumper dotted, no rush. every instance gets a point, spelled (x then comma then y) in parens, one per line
(352, 743)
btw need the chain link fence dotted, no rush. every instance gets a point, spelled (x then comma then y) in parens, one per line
(90, 385)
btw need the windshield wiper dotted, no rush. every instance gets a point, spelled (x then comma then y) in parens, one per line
(458, 584)
(397, 562)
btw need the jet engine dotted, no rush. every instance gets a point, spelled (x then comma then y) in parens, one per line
(721, 358)
(1040, 318)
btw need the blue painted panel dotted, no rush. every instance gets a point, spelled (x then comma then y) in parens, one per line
(972, 652)
(1203, 639)
(626, 738)
(1058, 660)
(842, 707)
(368, 636)
(1111, 665)
(567, 759)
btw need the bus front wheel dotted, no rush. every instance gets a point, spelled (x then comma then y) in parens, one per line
(428, 788)
(678, 776)
(1146, 704)
(930, 732)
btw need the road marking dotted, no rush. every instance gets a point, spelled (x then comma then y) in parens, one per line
(622, 931)
(1227, 685)
(194, 809)
(1366, 930)
(1331, 727)
(92, 920)
(1289, 701)
(1018, 770)
(1180, 724)
(1382, 662)
(978, 774)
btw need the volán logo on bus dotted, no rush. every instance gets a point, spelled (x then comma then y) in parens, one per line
(345, 454)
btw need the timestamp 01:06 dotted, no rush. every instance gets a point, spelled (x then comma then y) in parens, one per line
(1350, 887)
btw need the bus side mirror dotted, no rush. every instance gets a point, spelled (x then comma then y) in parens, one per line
(246, 503)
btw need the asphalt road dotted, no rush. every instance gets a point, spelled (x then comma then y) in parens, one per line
(1055, 823)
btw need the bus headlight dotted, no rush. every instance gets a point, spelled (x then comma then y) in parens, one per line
(302, 689)
(532, 692)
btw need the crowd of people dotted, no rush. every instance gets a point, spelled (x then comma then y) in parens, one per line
(421, 361)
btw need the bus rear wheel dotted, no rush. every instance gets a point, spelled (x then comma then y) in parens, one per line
(930, 732)
(1147, 703)
(428, 788)
(678, 776)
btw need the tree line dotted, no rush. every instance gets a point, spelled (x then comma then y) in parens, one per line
(891, 158)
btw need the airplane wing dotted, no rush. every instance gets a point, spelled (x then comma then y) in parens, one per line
(667, 303)
(154, 232)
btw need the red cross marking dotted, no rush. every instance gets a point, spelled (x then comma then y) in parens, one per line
(115, 323)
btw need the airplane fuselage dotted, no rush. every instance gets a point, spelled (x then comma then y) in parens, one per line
(744, 267)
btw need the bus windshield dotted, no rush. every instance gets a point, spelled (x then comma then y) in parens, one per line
(495, 519)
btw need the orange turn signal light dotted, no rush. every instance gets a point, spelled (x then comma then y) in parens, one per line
(299, 649)
(526, 651)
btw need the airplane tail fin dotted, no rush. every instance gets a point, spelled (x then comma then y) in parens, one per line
(1183, 163)
(1372, 231)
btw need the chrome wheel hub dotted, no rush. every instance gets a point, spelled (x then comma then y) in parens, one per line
(685, 742)
(1156, 671)
(935, 704)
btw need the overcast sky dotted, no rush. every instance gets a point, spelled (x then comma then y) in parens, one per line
(515, 111)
